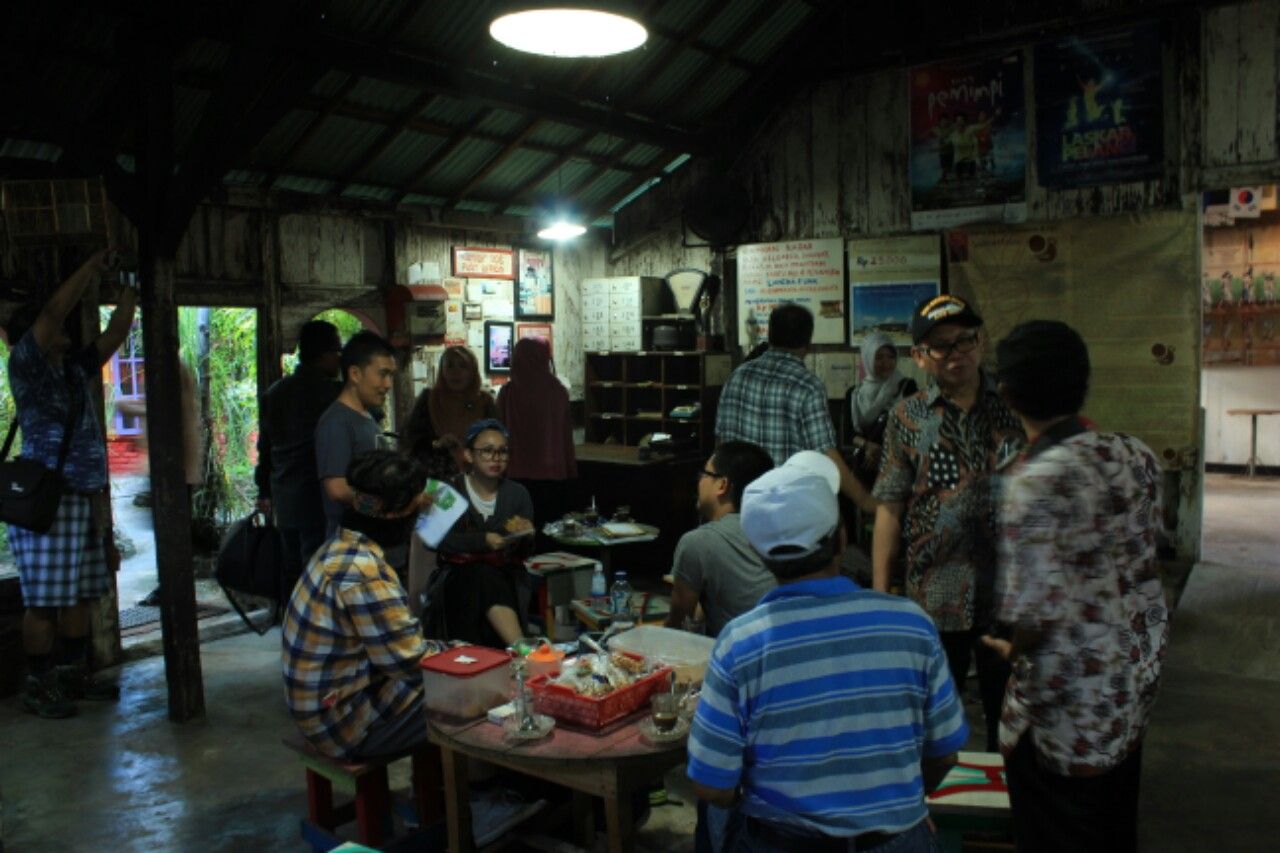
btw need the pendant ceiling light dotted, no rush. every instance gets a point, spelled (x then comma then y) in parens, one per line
(555, 29)
(561, 223)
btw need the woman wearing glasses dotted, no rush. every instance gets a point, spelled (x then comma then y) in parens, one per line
(476, 593)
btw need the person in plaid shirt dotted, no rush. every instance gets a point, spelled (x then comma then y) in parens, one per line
(774, 401)
(351, 647)
(1079, 516)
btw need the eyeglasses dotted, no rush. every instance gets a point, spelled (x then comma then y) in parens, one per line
(963, 344)
(705, 473)
(493, 452)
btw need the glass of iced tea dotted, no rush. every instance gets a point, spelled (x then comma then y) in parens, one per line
(664, 711)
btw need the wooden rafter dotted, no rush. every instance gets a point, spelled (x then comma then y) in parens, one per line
(329, 108)
(384, 140)
(570, 153)
(608, 204)
(740, 35)
(494, 162)
(438, 156)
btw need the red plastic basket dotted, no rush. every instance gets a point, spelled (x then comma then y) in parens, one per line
(591, 712)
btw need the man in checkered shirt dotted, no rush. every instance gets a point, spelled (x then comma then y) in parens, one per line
(351, 647)
(774, 401)
(64, 568)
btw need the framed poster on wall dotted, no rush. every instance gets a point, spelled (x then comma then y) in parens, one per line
(472, 262)
(535, 287)
(538, 331)
(806, 272)
(888, 277)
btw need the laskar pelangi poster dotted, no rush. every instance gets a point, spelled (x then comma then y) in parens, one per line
(968, 142)
(1099, 108)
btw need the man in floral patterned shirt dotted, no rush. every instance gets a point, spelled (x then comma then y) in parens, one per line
(941, 451)
(1078, 582)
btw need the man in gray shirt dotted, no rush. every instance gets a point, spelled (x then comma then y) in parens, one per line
(715, 565)
(347, 429)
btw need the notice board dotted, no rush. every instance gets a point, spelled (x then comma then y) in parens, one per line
(806, 272)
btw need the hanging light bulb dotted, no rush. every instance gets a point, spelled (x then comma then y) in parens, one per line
(562, 229)
(551, 29)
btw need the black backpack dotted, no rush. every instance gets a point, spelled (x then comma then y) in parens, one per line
(251, 561)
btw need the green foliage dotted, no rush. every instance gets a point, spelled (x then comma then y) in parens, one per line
(348, 324)
(231, 420)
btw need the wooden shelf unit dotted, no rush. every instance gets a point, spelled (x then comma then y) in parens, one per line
(631, 394)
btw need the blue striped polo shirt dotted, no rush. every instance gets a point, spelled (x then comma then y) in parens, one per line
(821, 702)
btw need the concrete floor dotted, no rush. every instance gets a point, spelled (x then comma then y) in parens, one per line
(123, 777)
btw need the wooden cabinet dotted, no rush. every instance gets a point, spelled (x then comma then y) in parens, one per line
(631, 394)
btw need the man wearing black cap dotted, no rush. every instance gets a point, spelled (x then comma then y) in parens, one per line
(942, 448)
(1079, 515)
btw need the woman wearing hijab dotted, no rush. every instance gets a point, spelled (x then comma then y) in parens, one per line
(535, 407)
(441, 414)
(871, 401)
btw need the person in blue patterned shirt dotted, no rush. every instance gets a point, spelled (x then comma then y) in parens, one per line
(65, 568)
(776, 402)
(351, 648)
(828, 712)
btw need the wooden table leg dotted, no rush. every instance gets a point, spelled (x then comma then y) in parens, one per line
(457, 801)
(427, 784)
(584, 819)
(619, 818)
(320, 800)
(373, 806)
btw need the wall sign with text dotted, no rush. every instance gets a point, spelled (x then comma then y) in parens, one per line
(471, 262)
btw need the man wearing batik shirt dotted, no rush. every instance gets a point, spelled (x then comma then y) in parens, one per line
(351, 647)
(941, 451)
(1078, 582)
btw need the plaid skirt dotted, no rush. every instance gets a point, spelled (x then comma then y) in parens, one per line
(65, 566)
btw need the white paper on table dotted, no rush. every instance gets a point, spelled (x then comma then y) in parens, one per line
(448, 506)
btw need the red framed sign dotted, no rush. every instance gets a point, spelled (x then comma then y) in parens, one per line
(477, 262)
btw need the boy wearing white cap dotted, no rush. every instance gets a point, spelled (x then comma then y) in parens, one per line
(828, 711)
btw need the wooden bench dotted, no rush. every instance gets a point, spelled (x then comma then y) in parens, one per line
(366, 782)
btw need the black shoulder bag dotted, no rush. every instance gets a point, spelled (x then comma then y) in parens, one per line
(30, 492)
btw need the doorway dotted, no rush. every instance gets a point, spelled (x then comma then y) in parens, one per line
(1240, 373)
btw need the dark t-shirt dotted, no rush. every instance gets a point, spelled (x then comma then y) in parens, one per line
(341, 434)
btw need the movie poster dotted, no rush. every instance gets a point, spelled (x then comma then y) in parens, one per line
(1098, 108)
(968, 142)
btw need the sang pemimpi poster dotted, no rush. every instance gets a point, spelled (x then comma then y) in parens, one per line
(968, 142)
(1098, 108)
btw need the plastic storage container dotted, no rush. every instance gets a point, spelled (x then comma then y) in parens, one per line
(542, 660)
(591, 712)
(465, 682)
(684, 652)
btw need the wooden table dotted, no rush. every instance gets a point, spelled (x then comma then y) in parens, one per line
(603, 545)
(611, 766)
(1253, 431)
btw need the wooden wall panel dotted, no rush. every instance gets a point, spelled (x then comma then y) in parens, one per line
(1240, 83)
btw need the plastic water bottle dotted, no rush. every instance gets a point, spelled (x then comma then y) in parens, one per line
(620, 594)
(599, 589)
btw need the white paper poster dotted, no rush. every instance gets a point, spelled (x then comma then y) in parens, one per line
(888, 277)
(806, 272)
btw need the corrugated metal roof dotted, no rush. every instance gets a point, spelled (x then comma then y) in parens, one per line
(790, 15)
(381, 95)
(674, 79)
(336, 145)
(25, 150)
(403, 157)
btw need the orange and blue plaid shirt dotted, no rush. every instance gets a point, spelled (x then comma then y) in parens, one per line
(351, 646)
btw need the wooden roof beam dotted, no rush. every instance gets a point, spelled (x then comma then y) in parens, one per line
(494, 162)
(572, 152)
(330, 107)
(439, 156)
(745, 30)
(383, 142)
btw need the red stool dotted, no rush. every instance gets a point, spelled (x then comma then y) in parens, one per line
(366, 782)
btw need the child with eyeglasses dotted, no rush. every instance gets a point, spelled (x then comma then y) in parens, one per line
(477, 593)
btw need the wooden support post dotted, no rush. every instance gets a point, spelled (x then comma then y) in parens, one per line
(158, 235)
(270, 330)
